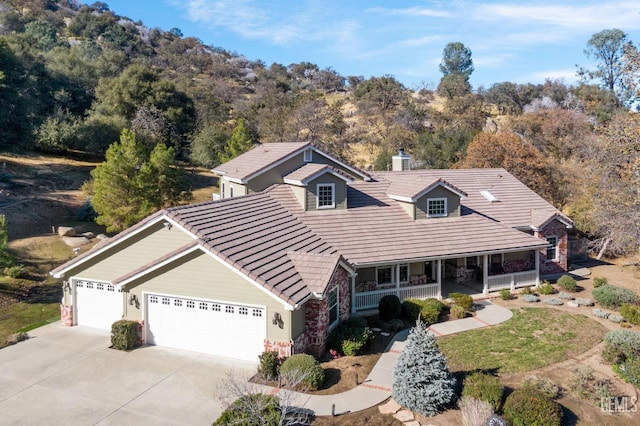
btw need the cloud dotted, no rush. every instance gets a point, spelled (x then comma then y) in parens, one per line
(411, 11)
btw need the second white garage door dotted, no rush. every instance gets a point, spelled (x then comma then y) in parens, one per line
(207, 326)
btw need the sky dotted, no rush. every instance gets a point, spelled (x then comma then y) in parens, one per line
(520, 42)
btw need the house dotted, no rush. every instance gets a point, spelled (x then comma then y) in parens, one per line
(300, 240)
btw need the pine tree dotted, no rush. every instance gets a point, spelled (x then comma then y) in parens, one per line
(421, 380)
(241, 141)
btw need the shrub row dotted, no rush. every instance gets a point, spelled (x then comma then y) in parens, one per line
(611, 296)
(428, 310)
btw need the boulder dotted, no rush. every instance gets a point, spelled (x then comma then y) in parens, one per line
(75, 241)
(66, 231)
(101, 237)
(89, 235)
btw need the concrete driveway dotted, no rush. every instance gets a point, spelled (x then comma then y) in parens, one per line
(68, 375)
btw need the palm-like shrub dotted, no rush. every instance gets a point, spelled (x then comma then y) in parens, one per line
(421, 379)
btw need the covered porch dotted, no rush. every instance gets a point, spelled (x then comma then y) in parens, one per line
(437, 278)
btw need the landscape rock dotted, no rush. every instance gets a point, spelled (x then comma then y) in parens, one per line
(404, 416)
(391, 407)
(75, 241)
(66, 231)
(89, 235)
(101, 237)
(412, 423)
(572, 304)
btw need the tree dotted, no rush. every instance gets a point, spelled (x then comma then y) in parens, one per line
(421, 379)
(456, 59)
(134, 182)
(5, 257)
(607, 49)
(240, 141)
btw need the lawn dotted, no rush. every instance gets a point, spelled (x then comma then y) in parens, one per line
(533, 338)
(23, 316)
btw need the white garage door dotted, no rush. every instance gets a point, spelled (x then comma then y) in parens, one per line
(97, 304)
(207, 326)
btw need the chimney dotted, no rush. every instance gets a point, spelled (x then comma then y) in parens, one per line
(400, 162)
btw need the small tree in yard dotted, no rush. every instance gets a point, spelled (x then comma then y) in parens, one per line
(5, 257)
(421, 379)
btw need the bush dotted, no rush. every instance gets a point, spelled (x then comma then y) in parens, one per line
(474, 411)
(124, 335)
(526, 290)
(457, 311)
(302, 369)
(544, 385)
(600, 313)
(531, 407)
(421, 378)
(463, 300)
(505, 294)
(546, 288)
(553, 301)
(350, 336)
(631, 313)
(389, 307)
(268, 366)
(599, 282)
(428, 310)
(484, 387)
(530, 298)
(630, 370)
(620, 345)
(611, 296)
(252, 409)
(15, 271)
(567, 283)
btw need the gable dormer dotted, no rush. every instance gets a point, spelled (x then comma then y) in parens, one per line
(319, 187)
(436, 199)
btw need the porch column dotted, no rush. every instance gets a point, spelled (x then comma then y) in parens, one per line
(537, 256)
(485, 274)
(397, 280)
(439, 278)
(353, 293)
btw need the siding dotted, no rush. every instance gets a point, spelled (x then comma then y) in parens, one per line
(453, 202)
(410, 208)
(201, 277)
(132, 253)
(340, 192)
(275, 174)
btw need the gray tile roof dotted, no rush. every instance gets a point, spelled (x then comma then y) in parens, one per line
(411, 186)
(315, 269)
(311, 170)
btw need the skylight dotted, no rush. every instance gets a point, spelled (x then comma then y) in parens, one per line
(489, 196)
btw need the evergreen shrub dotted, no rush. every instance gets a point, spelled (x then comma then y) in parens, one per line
(421, 379)
(350, 336)
(567, 283)
(252, 409)
(304, 370)
(526, 407)
(268, 366)
(484, 387)
(457, 311)
(462, 299)
(124, 335)
(389, 308)
(631, 313)
(620, 345)
(546, 288)
(428, 310)
(611, 296)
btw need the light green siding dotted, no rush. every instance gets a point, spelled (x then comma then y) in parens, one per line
(297, 322)
(275, 175)
(340, 192)
(200, 276)
(453, 202)
(410, 208)
(301, 194)
(132, 253)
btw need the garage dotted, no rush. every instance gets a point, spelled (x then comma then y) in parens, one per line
(208, 326)
(97, 304)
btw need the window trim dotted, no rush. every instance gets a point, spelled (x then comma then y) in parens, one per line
(391, 272)
(335, 306)
(333, 196)
(444, 207)
(554, 247)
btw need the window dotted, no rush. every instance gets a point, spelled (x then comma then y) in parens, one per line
(257, 312)
(110, 287)
(100, 286)
(229, 309)
(405, 164)
(333, 307)
(552, 250)
(472, 262)
(177, 302)
(385, 275)
(243, 311)
(436, 207)
(215, 307)
(166, 301)
(326, 196)
(404, 273)
(153, 299)
(204, 306)
(307, 155)
(191, 304)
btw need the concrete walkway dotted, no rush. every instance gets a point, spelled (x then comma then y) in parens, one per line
(377, 387)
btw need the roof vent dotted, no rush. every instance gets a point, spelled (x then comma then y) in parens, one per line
(489, 196)
(400, 162)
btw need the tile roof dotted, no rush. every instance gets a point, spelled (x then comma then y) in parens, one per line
(315, 269)
(254, 234)
(517, 203)
(258, 159)
(375, 229)
(411, 186)
(311, 170)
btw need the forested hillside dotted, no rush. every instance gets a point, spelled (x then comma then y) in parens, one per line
(73, 77)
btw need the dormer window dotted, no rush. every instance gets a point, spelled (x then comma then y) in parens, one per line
(326, 196)
(436, 207)
(308, 156)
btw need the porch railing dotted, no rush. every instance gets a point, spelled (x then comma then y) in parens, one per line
(512, 281)
(371, 299)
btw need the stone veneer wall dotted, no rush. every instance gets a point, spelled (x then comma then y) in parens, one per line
(316, 332)
(558, 229)
(66, 315)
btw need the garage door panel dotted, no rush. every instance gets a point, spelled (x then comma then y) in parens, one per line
(211, 327)
(98, 305)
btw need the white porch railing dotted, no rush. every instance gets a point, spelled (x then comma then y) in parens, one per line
(371, 299)
(512, 281)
